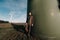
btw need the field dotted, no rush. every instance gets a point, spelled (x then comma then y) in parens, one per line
(7, 28)
(10, 31)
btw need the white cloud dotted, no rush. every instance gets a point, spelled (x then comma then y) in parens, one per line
(21, 19)
(16, 14)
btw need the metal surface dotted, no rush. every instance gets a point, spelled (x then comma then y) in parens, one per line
(47, 19)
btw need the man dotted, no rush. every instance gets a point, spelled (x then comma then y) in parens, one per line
(30, 22)
(29, 25)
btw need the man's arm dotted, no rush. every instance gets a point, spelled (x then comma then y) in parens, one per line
(31, 21)
(26, 28)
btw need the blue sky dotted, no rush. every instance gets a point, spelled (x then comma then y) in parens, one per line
(13, 10)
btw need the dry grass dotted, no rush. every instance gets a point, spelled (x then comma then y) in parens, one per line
(7, 25)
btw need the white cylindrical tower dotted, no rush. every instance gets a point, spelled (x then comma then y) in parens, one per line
(47, 19)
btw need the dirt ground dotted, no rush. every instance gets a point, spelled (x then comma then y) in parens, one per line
(12, 34)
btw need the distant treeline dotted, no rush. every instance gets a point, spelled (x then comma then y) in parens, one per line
(1, 21)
